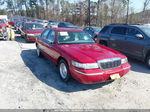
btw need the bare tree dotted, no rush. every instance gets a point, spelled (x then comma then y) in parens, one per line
(146, 3)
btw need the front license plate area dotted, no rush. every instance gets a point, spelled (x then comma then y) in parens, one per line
(115, 76)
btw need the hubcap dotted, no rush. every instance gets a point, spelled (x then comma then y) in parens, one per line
(63, 70)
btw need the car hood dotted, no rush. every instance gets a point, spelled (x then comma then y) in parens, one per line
(89, 53)
(34, 31)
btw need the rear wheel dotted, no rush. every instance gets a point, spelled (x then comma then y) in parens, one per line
(25, 37)
(148, 61)
(64, 70)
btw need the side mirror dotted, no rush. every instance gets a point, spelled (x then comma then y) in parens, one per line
(139, 36)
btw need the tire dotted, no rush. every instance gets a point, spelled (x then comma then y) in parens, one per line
(26, 39)
(148, 61)
(39, 54)
(64, 70)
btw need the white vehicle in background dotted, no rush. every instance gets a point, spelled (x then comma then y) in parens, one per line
(4, 17)
(45, 23)
(52, 24)
(148, 24)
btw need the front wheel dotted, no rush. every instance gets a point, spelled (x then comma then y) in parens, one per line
(39, 54)
(64, 70)
(148, 61)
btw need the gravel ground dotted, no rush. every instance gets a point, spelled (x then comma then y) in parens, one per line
(29, 82)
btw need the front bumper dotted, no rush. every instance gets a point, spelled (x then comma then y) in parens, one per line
(98, 75)
(31, 38)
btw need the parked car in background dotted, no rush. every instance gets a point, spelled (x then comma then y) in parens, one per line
(67, 25)
(93, 31)
(45, 23)
(4, 17)
(12, 21)
(18, 25)
(78, 56)
(133, 40)
(52, 24)
(30, 31)
(3, 30)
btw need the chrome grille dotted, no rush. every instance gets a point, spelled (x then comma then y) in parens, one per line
(109, 63)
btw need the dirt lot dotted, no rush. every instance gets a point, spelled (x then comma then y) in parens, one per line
(29, 82)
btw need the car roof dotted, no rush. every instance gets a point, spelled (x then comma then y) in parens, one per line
(67, 29)
(135, 25)
(66, 22)
(130, 25)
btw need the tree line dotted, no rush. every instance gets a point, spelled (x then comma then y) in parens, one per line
(102, 12)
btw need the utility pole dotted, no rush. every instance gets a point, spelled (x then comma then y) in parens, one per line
(127, 18)
(89, 12)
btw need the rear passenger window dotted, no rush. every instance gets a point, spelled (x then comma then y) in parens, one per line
(132, 32)
(105, 29)
(119, 30)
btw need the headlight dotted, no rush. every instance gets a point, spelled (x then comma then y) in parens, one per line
(85, 65)
(123, 61)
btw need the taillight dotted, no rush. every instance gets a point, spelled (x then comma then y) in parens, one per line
(98, 34)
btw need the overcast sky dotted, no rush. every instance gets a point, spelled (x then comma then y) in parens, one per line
(136, 4)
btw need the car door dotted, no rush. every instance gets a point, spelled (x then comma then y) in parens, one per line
(134, 46)
(50, 48)
(42, 40)
(117, 38)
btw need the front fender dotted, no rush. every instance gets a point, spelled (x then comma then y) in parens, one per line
(146, 51)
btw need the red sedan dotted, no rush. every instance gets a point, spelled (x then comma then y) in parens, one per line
(30, 31)
(78, 56)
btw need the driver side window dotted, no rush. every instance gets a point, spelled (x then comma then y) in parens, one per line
(51, 36)
(44, 34)
(132, 32)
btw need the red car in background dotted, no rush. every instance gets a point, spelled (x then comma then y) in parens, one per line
(3, 29)
(12, 21)
(30, 31)
(78, 56)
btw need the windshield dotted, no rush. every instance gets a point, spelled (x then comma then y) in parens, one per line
(69, 37)
(69, 25)
(96, 29)
(146, 30)
(53, 23)
(34, 26)
(2, 21)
